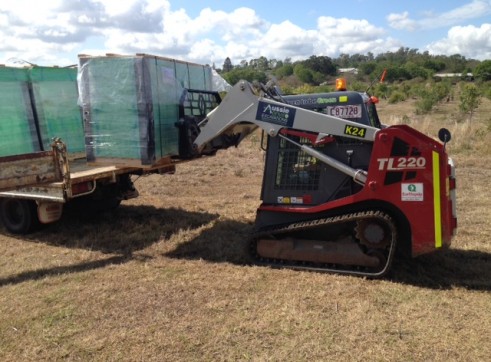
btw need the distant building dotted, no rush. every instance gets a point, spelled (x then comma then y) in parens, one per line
(348, 70)
(467, 76)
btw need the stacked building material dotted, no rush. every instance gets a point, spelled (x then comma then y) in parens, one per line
(55, 96)
(18, 131)
(130, 106)
(38, 104)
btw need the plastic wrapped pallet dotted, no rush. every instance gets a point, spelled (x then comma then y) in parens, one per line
(55, 96)
(18, 132)
(131, 105)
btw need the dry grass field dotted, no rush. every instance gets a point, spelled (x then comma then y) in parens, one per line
(166, 277)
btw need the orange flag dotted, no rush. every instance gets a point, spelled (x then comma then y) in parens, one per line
(383, 76)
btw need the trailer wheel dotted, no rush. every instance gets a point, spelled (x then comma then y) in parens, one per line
(18, 216)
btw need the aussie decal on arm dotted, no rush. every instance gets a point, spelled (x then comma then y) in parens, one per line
(276, 114)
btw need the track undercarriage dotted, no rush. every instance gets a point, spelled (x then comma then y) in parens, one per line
(361, 243)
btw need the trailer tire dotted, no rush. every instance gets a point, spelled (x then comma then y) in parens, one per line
(18, 216)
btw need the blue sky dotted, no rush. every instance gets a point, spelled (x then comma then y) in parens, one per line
(54, 32)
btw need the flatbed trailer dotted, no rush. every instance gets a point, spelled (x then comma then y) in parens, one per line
(35, 187)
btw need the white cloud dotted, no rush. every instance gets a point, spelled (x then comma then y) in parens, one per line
(348, 28)
(402, 21)
(117, 7)
(349, 36)
(473, 10)
(183, 37)
(154, 27)
(284, 40)
(203, 48)
(474, 42)
(59, 29)
(25, 12)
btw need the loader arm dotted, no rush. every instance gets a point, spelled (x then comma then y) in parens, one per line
(243, 110)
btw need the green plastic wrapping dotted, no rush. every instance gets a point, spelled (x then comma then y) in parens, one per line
(55, 96)
(130, 106)
(18, 132)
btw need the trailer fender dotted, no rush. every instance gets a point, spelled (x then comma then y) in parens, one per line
(49, 212)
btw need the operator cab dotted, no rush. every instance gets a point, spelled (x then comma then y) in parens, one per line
(353, 106)
(294, 178)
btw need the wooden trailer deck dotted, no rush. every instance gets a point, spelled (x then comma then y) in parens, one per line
(49, 177)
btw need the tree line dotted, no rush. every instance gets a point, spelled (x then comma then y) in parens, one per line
(407, 74)
(404, 64)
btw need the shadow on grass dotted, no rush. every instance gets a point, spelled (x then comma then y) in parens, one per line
(469, 269)
(121, 231)
(228, 241)
(133, 228)
(66, 269)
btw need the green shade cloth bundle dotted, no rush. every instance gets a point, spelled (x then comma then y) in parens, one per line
(130, 105)
(38, 104)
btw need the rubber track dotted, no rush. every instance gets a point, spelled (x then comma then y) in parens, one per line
(272, 232)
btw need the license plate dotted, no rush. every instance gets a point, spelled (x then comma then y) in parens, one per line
(346, 111)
